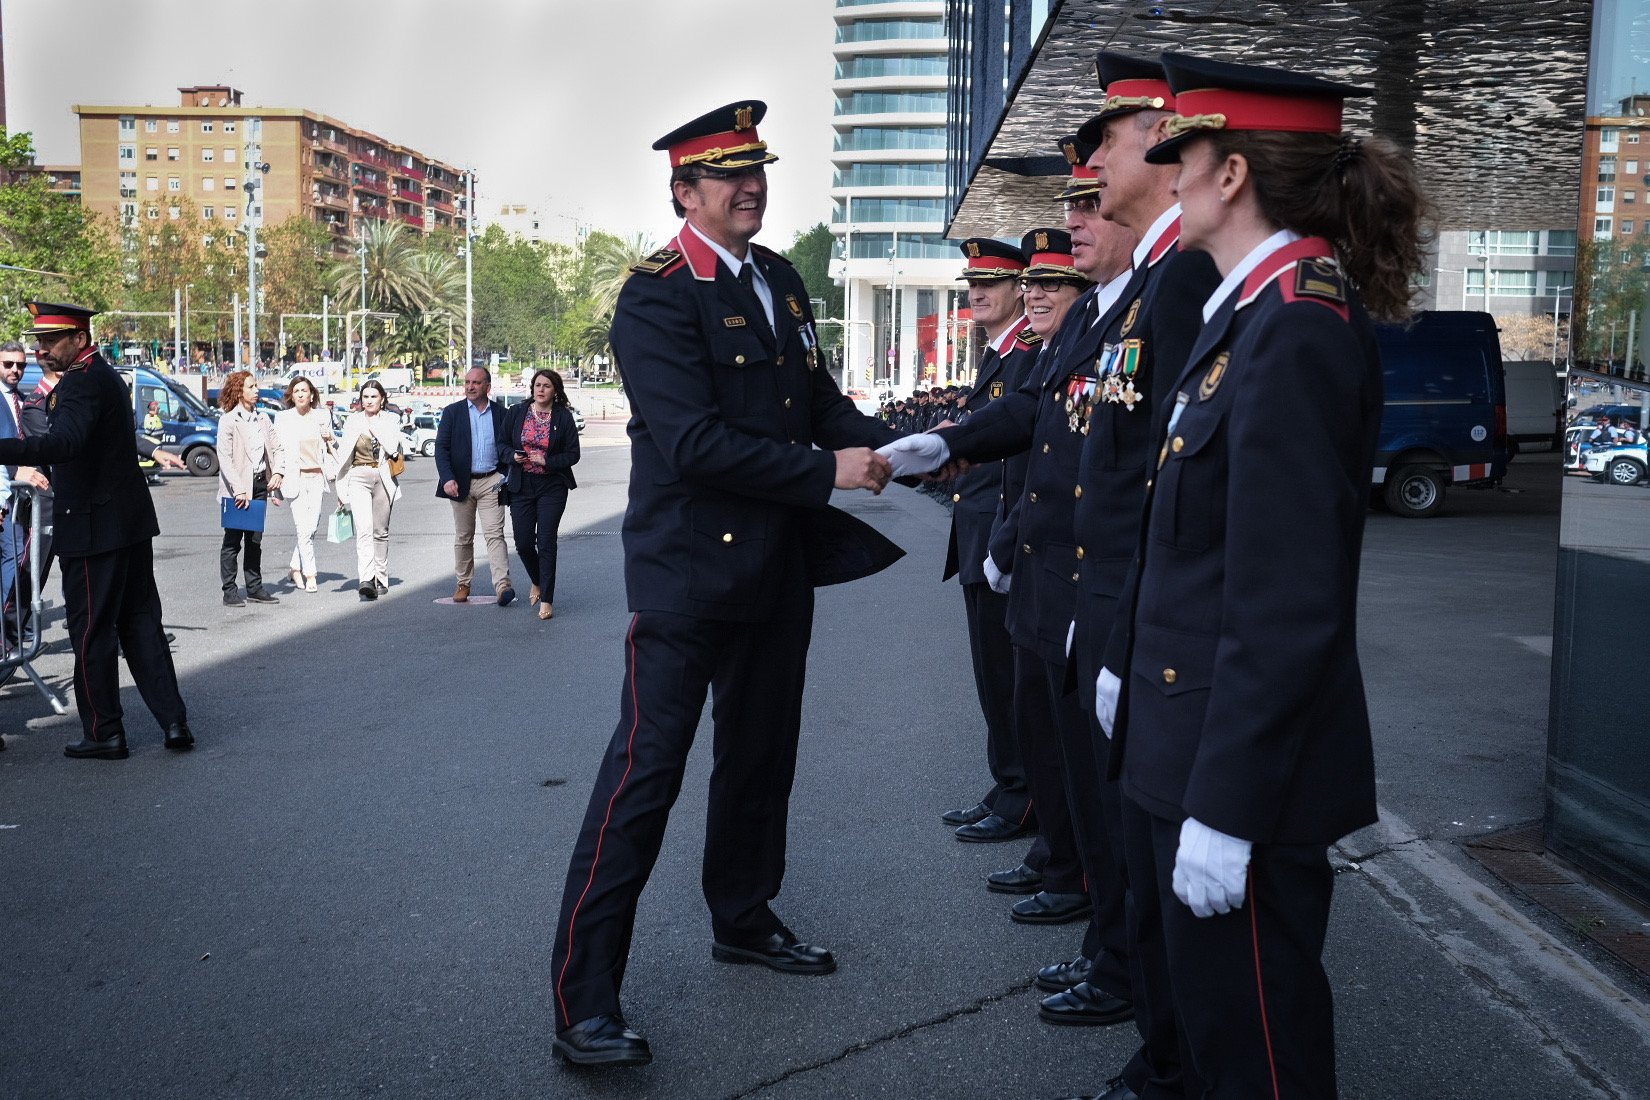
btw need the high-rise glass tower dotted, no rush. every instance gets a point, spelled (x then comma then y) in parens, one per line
(888, 192)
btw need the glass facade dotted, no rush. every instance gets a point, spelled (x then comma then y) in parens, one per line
(912, 246)
(891, 103)
(864, 68)
(883, 30)
(889, 210)
(891, 175)
(891, 137)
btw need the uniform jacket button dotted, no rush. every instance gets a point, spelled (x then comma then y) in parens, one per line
(1079, 492)
(1170, 676)
(1079, 553)
(955, 497)
(1045, 448)
(738, 358)
(728, 537)
(1178, 444)
(1027, 548)
(1033, 497)
(780, 361)
(787, 402)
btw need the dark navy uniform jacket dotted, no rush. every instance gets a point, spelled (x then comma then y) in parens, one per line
(978, 495)
(729, 500)
(102, 500)
(1143, 351)
(1243, 703)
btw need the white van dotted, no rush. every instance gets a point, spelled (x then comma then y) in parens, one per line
(1535, 403)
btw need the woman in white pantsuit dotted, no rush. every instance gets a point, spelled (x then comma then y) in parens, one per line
(306, 444)
(369, 440)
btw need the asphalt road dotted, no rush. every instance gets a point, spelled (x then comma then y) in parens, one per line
(350, 887)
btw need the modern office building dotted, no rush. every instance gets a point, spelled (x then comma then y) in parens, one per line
(888, 196)
(1504, 271)
(135, 158)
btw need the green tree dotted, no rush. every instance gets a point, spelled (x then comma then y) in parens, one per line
(1611, 284)
(517, 298)
(292, 277)
(394, 282)
(49, 232)
(608, 260)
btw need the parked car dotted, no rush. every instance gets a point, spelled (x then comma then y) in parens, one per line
(421, 434)
(1535, 404)
(1445, 418)
(1628, 414)
(1624, 464)
(1576, 448)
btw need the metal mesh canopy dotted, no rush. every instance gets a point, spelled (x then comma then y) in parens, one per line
(1490, 95)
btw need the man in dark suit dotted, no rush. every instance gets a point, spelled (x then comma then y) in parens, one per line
(12, 361)
(105, 524)
(992, 273)
(727, 533)
(470, 474)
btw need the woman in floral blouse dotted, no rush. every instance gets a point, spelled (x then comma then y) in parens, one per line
(540, 446)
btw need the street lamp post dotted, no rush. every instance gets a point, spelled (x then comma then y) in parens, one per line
(469, 267)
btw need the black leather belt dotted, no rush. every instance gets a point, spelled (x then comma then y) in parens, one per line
(482, 473)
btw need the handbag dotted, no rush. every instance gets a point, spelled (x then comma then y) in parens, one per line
(398, 466)
(341, 525)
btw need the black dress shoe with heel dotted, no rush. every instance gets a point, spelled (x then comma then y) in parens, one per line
(1059, 977)
(1015, 880)
(109, 748)
(1085, 1005)
(966, 816)
(780, 951)
(1046, 908)
(179, 738)
(602, 1041)
(260, 596)
(991, 830)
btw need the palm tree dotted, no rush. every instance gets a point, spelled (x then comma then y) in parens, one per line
(442, 277)
(610, 260)
(394, 282)
(418, 338)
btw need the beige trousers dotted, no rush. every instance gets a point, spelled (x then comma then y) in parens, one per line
(482, 503)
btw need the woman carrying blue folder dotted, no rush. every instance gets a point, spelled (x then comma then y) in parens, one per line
(249, 453)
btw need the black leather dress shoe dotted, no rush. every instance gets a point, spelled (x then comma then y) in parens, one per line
(1046, 908)
(261, 596)
(781, 952)
(967, 816)
(1015, 880)
(368, 592)
(233, 599)
(602, 1041)
(1115, 1090)
(990, 830)
(110, 748)
(179, 738)
(1059, 977)
(1085, 1005)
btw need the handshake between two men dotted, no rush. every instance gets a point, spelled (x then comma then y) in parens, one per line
(922, 455)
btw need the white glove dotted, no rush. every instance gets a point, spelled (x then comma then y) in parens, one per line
(996, 578)
(1071, 633)
(1210, 869)
(916, 454)
(1106, 689)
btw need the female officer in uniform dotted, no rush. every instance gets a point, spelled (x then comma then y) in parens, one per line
(1242, 729)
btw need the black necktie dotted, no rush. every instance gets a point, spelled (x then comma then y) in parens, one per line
(747, 278)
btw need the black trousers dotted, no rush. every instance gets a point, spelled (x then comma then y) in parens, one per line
(1252, 1002)
(1096, 825)
(111, 597)
(993, 657)
(754, 673)
(251, 542)
(534, 521)
(1039, 736)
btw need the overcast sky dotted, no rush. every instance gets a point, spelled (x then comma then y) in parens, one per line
(554, 102)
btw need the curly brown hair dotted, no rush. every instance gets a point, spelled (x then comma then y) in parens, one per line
(1361, 195)
(229, 395)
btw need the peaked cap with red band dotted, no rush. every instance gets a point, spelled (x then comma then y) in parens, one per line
(1131, 84)
(1218, 95)
(49, 317)
(1049, 251)
(722, 139)
(989, 258)
(1085, 181)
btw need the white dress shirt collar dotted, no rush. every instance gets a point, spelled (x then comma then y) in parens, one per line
(1230, 284)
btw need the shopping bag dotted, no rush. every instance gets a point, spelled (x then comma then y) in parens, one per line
(341, 527)
(250, 518)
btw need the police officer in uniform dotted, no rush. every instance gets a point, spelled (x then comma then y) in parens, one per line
(1239, 723)
(727, 532)
(104, 529)
(992, 273)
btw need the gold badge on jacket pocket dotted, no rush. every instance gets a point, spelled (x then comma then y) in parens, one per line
(1211, 381)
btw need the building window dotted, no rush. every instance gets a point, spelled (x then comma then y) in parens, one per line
(1560, 282)
(152, 183)
(128, 154)
(154, 215)
(206, 127)
(128, 213)
(206, 155)
(128, 185)
(1632, 137)
(231, 156)
(174, 212)
(1606, 194)
(229, 213)
(1629, 196)
(208, 183)
(1630, 168)
(1626, 256)
(173, 183)
(171, 125)
(254, 127)
(148, 125)
(151, 153)
(229, 183)
(1601, 227)
(1607, 169)
(1626, 226)
(1561, 242)
(229, 127)
(171, 152)
(209, 212)
(128, 125)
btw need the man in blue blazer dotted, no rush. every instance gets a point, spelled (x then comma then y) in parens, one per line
(12, 361)
(469, 473)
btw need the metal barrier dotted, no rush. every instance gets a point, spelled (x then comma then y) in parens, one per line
(21, 621)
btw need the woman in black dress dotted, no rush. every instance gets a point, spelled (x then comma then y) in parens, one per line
(540, 446)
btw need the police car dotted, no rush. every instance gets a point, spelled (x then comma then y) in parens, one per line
(1621, 464)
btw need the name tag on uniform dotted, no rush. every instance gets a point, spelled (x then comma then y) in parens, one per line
(734, 322)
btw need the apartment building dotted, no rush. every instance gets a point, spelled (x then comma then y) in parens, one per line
(135, 159)
(1615, 173)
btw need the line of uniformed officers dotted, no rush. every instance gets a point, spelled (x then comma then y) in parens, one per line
(1157, 537)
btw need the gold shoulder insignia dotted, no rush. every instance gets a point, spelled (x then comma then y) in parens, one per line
(1320, 278)
(657, 262)
(1031, 338)
(51, 402)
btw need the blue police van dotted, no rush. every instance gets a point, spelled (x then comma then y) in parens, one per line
(189, 428)
(1445, 421)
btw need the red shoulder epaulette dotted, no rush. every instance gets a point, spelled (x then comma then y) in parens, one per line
(1024, 339)
(661, 262)
(1165, 244)
(1305, 270)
